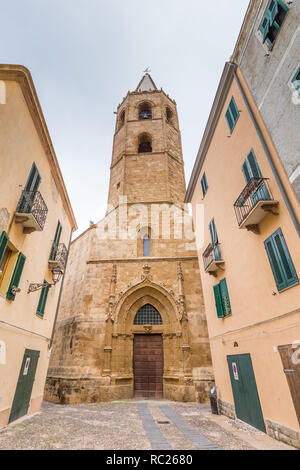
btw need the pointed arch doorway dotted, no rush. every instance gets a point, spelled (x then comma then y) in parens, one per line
(148, 355)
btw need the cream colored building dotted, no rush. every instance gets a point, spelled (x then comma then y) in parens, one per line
(249, 263)
(36, 223)
(132, 320)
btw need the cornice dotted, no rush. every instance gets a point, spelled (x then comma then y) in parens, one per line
(22, 75)
(148, 259)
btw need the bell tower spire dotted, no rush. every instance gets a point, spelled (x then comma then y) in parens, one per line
(147, 164)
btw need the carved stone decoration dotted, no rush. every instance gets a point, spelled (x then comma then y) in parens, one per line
(148, 328)
(146, 276)
(111, 301)
(181, 297)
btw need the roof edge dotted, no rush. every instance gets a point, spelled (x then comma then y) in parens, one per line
(218, 103)
(22, 75)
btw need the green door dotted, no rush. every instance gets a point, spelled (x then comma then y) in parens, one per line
(24, 386)
(246, 399)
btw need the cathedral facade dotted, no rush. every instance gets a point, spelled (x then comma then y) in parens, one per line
(132, 320)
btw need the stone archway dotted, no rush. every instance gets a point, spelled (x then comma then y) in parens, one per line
(121, 330)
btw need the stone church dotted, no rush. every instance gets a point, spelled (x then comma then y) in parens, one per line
(132, 320)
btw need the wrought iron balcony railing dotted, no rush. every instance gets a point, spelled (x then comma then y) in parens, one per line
(253, 204)
(212, 258)
(58, 255)
(31, 211)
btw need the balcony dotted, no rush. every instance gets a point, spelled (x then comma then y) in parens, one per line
(58, 256)
(254, 203)
(31, 211)
(212, 259)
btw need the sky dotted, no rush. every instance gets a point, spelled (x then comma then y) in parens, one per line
(84, 55)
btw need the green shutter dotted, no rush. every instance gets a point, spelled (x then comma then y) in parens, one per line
(218, 300)
(272, 10)
(3, 244)
(264, 28)
(232, 114)
(42, 301)
(280, 260)
(296, 80)
(225, 297)
(15, 280)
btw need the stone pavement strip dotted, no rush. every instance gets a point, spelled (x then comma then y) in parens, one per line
(130, 425)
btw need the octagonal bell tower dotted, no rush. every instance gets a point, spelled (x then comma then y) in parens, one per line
(147, 164)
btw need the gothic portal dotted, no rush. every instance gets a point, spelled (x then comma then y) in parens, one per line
(131, 321)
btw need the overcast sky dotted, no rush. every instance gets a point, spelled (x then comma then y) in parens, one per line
(84, 55)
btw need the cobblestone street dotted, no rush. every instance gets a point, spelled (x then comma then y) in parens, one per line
(129, 425)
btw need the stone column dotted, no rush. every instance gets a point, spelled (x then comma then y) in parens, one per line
(109, 323)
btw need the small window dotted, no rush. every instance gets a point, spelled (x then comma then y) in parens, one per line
(118, 185)
(145, 111)
(232, 114)
(222, 299)
(147, 315)
(146, 245)
(272, 21)
(145, 144)
(122, 119)
(169, 115)
(42, 301)
(215, 240)
(280, 260)
(296, 81)
(204, 185)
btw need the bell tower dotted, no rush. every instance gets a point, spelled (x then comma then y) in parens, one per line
(147, 164)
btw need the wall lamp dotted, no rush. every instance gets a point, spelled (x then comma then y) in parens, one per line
(57, 273)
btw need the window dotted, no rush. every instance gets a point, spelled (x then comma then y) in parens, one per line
(146, 245)
(222, 299)
(31, 187)
(214, 240)
(253, 177)
(15, 280)
(232, 114)
(145, 144)
(272, 21)
(147, 315)
(42, 301)
(169, 115)
(280, 260)
(122, 119)
(204, 184)
(145, 111)
(296, 80)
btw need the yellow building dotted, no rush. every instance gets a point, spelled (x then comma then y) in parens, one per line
(249, 262)
(36, 223)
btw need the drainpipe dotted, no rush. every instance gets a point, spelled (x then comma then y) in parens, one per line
(60, 294)
(276, 175)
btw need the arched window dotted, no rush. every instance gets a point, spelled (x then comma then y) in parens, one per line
(145, 111)
(147, 315)
(146, 245)
(145, 143)
(169, 115)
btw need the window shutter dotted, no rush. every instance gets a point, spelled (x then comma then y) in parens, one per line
(274, 262)
(265, 26)
(233, 109)
(296, 81)
(213, 231)
(3, 244)
(34, 179)
(253, 165)
(229, 120)
(42, 301)
(15, 280)
(225, 297)
(285, 258)
(272, 10)
(246, 171)
(218, 300)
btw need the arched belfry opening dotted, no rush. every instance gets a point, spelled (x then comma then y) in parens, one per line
(144, 143)
(145, 111)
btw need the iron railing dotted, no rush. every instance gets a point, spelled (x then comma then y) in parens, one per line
(255, 191)
(59, 254)
(211, 253)
(31, 202)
